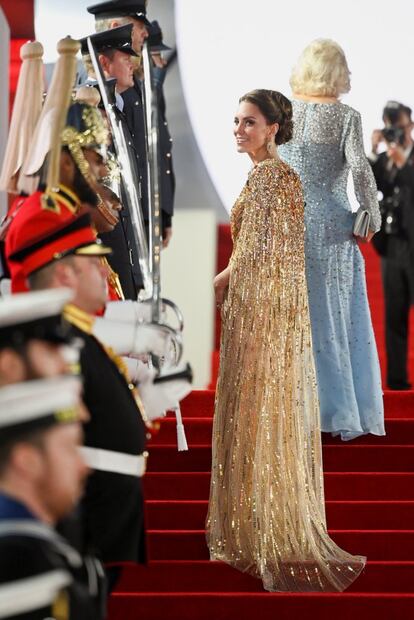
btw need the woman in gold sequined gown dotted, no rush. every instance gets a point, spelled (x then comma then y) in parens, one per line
(266, 511)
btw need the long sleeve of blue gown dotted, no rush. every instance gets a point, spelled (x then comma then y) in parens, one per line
(364, 182)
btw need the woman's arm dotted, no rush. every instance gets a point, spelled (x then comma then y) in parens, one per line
(221, 283)
(364, 182)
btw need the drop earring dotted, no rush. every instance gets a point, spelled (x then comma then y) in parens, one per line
(270, 147)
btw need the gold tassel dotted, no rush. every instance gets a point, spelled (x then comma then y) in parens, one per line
(113, 279)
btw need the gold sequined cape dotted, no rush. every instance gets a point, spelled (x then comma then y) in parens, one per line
(266, 511)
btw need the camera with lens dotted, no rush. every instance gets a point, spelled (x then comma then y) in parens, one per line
(392, 113)
(394, 135)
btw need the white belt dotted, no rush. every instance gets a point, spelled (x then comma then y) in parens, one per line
(115, 462)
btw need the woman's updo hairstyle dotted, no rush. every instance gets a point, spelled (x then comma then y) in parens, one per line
(276, 108)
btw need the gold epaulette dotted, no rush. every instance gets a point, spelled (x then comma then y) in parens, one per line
(80, 319)
(61, 606)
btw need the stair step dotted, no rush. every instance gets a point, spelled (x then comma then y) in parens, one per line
(338, 486)
(191, 514)
(348, 457)
(206, 576)
(246, 605)
(395, 545)
(200, 403)
(199, 430)
(369, 483)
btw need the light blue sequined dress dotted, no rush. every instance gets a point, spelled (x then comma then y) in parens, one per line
(327, 143)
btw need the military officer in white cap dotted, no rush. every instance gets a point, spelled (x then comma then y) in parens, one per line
(42, 475)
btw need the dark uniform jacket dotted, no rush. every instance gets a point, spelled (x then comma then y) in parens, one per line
(135, 116)
(53, 581)
(113, 506)
(125, 259)
(167, 171)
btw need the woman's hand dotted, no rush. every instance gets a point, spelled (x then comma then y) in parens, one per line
(376, 140)
(396, 153)
(221, 283)
(167, 237)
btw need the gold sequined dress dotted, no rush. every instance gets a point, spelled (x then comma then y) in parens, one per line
(266, 511)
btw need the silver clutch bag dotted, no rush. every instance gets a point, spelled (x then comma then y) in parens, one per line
(362, 222)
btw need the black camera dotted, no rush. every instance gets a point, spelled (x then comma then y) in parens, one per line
(394, 134)
(392, 113)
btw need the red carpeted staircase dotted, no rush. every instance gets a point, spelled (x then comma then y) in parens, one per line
(370, 510)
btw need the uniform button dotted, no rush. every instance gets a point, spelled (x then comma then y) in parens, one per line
(168, 172)
(129, 143)
(137, 103)
(165, 123)
(168, 154)
(170, 139)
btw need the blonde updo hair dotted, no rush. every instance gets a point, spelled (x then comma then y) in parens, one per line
(321, 70)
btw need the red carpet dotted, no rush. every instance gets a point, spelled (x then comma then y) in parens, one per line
(369, 487)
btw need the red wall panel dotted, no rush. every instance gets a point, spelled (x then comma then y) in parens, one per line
(20, 15)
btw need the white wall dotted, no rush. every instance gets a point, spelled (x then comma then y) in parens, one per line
(55, 19)
(187, 271)
(238, 45)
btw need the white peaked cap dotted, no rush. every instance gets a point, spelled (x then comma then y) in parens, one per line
(36, 401)
(27, 307)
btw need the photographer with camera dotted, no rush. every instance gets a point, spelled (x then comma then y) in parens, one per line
(394, 173)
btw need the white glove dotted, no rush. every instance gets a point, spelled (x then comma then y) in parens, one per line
(5, 287)
(161, 397)
(128, 311)
(132, 339)
(137, 369)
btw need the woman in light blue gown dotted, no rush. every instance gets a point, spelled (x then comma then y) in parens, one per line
(327, 143)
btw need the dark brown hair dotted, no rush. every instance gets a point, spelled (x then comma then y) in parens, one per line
(276, 108)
